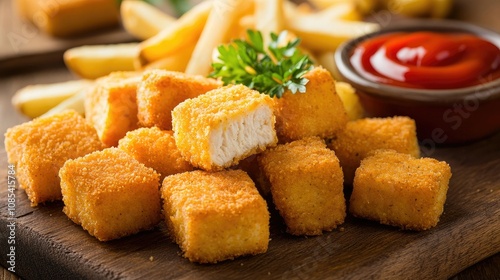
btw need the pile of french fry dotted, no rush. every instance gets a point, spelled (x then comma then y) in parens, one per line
(189, 43)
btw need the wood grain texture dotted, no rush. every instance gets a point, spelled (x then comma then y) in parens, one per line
(51, 246)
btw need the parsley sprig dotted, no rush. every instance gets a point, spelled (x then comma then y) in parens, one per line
(269, 70)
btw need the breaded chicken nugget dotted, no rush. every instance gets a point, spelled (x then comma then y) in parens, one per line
(215, 216)
(155, 148)
(40, 147)
(400, 190)
(223, 126)
(306, 185)
(317, 112)
(111, 107)
(160, 91)
(362, 136)
(110, 194)
(251, 166)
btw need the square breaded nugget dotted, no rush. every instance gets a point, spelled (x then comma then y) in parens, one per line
(155, 148)
(251, 166)
(40, 147)
(215, 216)
(111, 107)
(306, 185)
(110, 194)
(360, 137)
(160, 91)
(223, 126)
(400, 190)
(317, 112)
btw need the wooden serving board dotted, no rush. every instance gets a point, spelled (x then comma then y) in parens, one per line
(50, 246)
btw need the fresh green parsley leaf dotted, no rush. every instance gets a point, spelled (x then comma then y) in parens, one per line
(270, 70)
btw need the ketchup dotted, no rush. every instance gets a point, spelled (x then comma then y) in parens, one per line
(427, 60)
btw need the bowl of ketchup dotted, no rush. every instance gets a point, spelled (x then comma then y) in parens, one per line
(444, 74)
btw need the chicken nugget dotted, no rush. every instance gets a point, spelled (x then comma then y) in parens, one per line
(317, 112)
(110, 194)
(111, 107)
(161, 90)
(215, 216)
(360, 137)
(223, 126)
(40, 147)
(155, 148)
(306, 184)
(400, 190)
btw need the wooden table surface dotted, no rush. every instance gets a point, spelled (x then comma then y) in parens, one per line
(49, 68)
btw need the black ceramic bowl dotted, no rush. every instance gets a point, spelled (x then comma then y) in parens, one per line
(442, 115)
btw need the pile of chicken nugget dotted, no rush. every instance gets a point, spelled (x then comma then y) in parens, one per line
(210, 160)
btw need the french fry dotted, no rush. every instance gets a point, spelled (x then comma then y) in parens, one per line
(183, 32)
(304, 8)
(365, 7)
(245, 20)
(75, 102)
(269, 17)
(91, 62)
(177, 62)
(35, 100)
(323, 4)
(143, 20)
(240, 28)
(350, 100)
(342, 11)
(223, 15)
(323, 35)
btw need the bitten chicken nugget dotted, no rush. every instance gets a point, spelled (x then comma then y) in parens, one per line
(317, 112)
(111, 107)
(160, 91)
(155, 148)
(364, 135)
(400, 190)
(40, 147)
(223, 126)
(306, 185)
(110, 194)
(215, 216)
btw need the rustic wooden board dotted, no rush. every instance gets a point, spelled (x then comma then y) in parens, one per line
(49, 246)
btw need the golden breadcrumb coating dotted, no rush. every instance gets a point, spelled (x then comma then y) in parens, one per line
(218, 129)
(306, 184)
(215, 216)
(364, 135)
(400, 190)
(155, 148)
(40, 147)
(110, 194)
(111, 107)
(160, 91)
(251, 166)
(317, 112)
